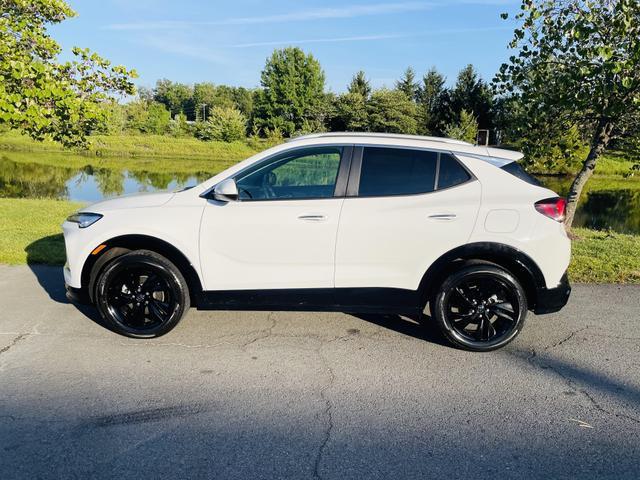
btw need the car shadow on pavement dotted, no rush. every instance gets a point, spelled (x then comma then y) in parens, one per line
(422, 329)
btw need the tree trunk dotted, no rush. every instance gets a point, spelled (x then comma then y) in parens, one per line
(598, 144)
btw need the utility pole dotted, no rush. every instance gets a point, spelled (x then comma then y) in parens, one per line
(204, 112)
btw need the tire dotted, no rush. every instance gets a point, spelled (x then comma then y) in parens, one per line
(141, 294)
(480, 308)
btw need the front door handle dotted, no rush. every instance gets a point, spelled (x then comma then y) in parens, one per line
(442, 216)
(312, 217)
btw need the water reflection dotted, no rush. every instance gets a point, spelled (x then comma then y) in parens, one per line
(87, 184)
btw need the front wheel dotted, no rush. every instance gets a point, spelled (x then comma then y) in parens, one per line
(142, 294)
(480, 308)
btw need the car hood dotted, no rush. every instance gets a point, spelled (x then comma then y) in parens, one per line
(138, 200)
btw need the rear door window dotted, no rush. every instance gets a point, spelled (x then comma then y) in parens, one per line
(396, 171)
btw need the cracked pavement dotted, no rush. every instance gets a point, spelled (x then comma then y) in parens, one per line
(314, 395)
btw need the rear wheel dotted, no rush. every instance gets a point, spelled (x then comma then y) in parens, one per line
(480, 308)
(142, 294)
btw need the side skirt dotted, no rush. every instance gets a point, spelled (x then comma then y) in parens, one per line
(350, 300)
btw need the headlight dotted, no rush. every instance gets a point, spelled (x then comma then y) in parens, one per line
(84, 219)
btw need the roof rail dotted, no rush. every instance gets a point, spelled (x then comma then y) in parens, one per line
(379, 135)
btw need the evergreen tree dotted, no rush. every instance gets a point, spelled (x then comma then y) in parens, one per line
(407, 84)
(360, 85)
(293, 91)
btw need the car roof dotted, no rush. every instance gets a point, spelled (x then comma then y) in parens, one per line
(496, 156)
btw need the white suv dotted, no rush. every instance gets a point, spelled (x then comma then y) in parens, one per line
(339, 221)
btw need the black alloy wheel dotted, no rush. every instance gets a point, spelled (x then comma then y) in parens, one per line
(142, 294)
(480, 308)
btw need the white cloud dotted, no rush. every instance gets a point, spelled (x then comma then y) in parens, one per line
(349, 11)
(360, 38)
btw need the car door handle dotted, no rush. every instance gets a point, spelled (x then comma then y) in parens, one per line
(312, 217)
(442, 216)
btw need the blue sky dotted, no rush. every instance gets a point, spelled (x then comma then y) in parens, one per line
(227, 42)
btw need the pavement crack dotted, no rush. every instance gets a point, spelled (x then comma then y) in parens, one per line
(568, 337)
(14, 342)
(327, 412)
(262, 334)
(536, 361)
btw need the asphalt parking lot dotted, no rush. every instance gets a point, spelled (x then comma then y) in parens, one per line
(314, 395)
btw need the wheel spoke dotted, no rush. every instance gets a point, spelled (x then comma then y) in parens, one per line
(462, 295)
(151, 284)
(500, 310)
(157, 312)
(464, 321)
(161, 307)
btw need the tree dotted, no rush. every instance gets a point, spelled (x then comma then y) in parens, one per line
(360, 85)
(177, 97)
(407, 84)
(578, 61)
(471, 93)
(224, 124)
(42, 97)
(391, 111)
(433, 103)
(466, 129)
(351, 113)
(293, 91)
(147, 117)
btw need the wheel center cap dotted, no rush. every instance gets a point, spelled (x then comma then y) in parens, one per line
(481, 308)
(140, 297)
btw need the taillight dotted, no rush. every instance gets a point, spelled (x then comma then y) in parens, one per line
(553, 208)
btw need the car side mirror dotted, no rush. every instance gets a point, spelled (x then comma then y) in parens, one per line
(226, 191)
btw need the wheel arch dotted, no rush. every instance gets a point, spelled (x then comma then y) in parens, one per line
(518, 263)
(120, 245)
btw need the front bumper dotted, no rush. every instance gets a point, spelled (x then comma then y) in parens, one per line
(77, 295)
(549, 300)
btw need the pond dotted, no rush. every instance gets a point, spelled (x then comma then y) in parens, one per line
(606, 203)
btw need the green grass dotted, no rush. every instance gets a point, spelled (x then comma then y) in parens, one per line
(30, 233)
(30, 230)
(604, 257)
(138, 146)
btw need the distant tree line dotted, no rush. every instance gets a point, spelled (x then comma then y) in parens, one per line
(293, 100)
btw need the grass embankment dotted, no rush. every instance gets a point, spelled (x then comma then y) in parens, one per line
(30, 230)
(128, 146)
(30, 233)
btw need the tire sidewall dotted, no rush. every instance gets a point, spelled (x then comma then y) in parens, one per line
(440, 310)
(164, 268)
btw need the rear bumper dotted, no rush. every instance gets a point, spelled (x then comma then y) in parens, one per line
(549, 300)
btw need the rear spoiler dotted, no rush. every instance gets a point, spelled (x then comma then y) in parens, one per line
(497, 156)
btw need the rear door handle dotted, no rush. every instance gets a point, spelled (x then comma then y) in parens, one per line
(442, 216)
(312, 217)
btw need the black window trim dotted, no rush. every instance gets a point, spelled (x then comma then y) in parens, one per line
(353, 186)
(341, 178)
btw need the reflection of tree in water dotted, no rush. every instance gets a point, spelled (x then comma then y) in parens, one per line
(110, 182)
(28, 180)
(161, 181)
(615, 209)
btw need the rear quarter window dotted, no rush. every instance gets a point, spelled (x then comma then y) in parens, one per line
(516, 170)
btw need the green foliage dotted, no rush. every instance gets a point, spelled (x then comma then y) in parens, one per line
(360, 85)
(433, 103)
(147, 117)
(472, 94)
(407, 84)
(465, 129)
(40, 96)
(351, 113)
(224, 124)
(293, 91)
(176, 97)
(579, 64)
(391, 111)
